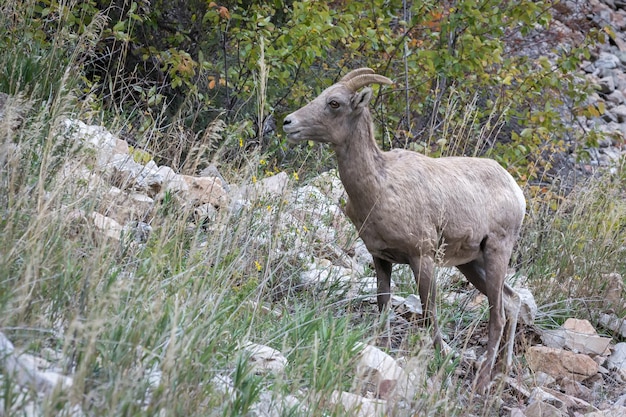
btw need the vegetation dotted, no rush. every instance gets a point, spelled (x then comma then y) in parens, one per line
(194, 82)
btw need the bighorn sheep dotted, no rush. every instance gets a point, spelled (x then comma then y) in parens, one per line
(416, 210)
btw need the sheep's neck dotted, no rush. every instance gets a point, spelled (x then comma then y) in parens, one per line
(361, 165)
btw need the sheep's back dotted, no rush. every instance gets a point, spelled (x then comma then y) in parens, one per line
(460, 200)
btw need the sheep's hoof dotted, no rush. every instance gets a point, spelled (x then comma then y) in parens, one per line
(482, 382)
(483, 378)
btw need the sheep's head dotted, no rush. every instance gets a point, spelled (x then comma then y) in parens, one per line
(334, 114)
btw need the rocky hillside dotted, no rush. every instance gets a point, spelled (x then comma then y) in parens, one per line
(569, 370)
(274, 240)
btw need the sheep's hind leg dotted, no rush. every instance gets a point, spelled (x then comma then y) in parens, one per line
(475, 273)
(423, 268)
(495, 264)
(488, 278)
(512, 305)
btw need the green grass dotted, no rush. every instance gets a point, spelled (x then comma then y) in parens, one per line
(567, 249)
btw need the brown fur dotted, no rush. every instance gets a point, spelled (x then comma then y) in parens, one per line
(416, 210)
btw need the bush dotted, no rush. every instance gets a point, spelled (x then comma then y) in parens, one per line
(175, 68)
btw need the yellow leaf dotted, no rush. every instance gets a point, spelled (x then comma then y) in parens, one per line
(212, 84)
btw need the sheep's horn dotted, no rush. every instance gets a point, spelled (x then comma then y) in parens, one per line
(354, 73)
(358, 81)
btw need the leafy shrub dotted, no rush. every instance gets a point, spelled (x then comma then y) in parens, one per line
(175, 68)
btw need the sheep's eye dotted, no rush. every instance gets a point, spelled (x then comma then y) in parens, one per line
(334, 104)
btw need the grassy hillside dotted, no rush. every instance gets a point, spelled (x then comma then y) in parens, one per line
(156, 327)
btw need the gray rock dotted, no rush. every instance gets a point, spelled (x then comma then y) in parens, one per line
(607, 61)
(581, 337)
(617, 360)
(528, 306)
(606, 85)
(620, 113)
(616, 97)
(213, 171)
(541, 409)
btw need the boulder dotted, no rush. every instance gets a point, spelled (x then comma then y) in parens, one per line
(107, 226)
(578, 336)
(126, 174)
(124, 206)
(561, 363)
(617, 360)
(265, 359)
(528, 307)
(541, 409)
(205, 190)
(358, 406)
(382, 371)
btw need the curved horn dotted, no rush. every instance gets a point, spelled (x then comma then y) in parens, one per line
(354, 73)
(358, 81)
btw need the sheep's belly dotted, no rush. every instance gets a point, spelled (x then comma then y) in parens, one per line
(395, 257)
(460, 252)
(399, 257)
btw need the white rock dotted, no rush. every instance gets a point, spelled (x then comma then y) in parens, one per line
(617, 360)
(381, 370)
(358, 406)
(578, 336)
(361, 254)
(172, 181)
(223, 384)
(613, 323)
(25, 370)
(265, 359)
(107, 225)
(330, 185)
(615, 411)
(127, 174)
(528, 307)
(538, 394)
(274, 186)
(123, 206)
(269, 405)
(96, 137)
(411, 305)
(321, 272)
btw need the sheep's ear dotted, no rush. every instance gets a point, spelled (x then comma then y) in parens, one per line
(362, 98)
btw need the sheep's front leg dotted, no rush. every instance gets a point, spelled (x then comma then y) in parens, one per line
(383, 277)
(423, 268)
